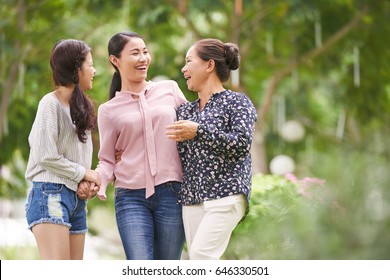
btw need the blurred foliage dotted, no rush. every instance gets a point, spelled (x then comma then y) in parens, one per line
(346, 218)
(19, 253)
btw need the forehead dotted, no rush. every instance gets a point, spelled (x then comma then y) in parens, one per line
(191, 52)
(88, 57)
(135, 43)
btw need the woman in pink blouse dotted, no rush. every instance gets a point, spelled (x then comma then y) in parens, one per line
(148, 177)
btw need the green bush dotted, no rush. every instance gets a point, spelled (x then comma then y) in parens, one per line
(348, 217)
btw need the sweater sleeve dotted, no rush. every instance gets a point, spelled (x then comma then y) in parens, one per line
(43, 141)
(106, 155)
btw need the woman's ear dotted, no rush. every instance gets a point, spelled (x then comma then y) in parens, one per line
(114, 60)
(210, 65)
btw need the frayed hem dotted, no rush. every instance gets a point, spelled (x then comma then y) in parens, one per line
(84, 231)
(49, 221)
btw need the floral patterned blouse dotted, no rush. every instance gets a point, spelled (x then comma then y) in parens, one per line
(217, 162)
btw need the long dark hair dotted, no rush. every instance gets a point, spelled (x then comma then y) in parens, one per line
(225, 55)
(67, 57)
(115, 47)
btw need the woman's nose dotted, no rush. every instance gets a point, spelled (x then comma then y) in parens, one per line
(142, 57)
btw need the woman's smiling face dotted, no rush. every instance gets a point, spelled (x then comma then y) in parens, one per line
(86, 73)
(134, 61)
(194, 70)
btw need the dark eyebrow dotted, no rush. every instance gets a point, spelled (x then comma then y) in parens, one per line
(136, 49)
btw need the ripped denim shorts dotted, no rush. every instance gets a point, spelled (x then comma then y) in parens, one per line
(56, 204)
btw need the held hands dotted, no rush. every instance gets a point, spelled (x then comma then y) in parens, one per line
(92, 176)
(89, 186)
(182, 130)
(87, 190)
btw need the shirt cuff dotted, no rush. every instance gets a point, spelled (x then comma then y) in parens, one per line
(79, 174)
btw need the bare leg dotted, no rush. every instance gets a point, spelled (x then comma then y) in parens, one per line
(53, 241)
(77, 242)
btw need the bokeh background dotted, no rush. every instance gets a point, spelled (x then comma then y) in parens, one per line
(317, 71)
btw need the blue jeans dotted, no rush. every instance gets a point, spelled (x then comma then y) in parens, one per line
(56, 204)
(150, 228)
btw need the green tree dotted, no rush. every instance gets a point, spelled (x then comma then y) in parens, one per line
(29, 29)
(290, 49)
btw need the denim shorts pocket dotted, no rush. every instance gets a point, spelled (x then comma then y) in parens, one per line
(51, 188)
(30, 195)
(174, 187)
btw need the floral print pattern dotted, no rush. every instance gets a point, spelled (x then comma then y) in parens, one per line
(217, 162)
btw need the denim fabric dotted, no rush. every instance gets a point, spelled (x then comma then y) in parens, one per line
(150, 228)
(56, 204)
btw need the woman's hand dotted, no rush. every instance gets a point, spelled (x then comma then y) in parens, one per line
(87, 190)
(118, 155)
(92, 176)
(182, 130)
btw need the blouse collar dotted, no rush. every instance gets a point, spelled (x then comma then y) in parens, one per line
(146, 90)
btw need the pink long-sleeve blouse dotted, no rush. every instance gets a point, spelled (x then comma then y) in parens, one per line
(135, 123)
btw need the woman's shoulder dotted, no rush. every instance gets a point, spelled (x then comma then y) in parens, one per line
(119, 95)
(49, 100)
(49, 97)
(49, 107)
(188, 106)
(163, 84)
(105, 106)
(238, 96)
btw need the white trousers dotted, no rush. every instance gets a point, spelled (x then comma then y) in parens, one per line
(208, 226)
